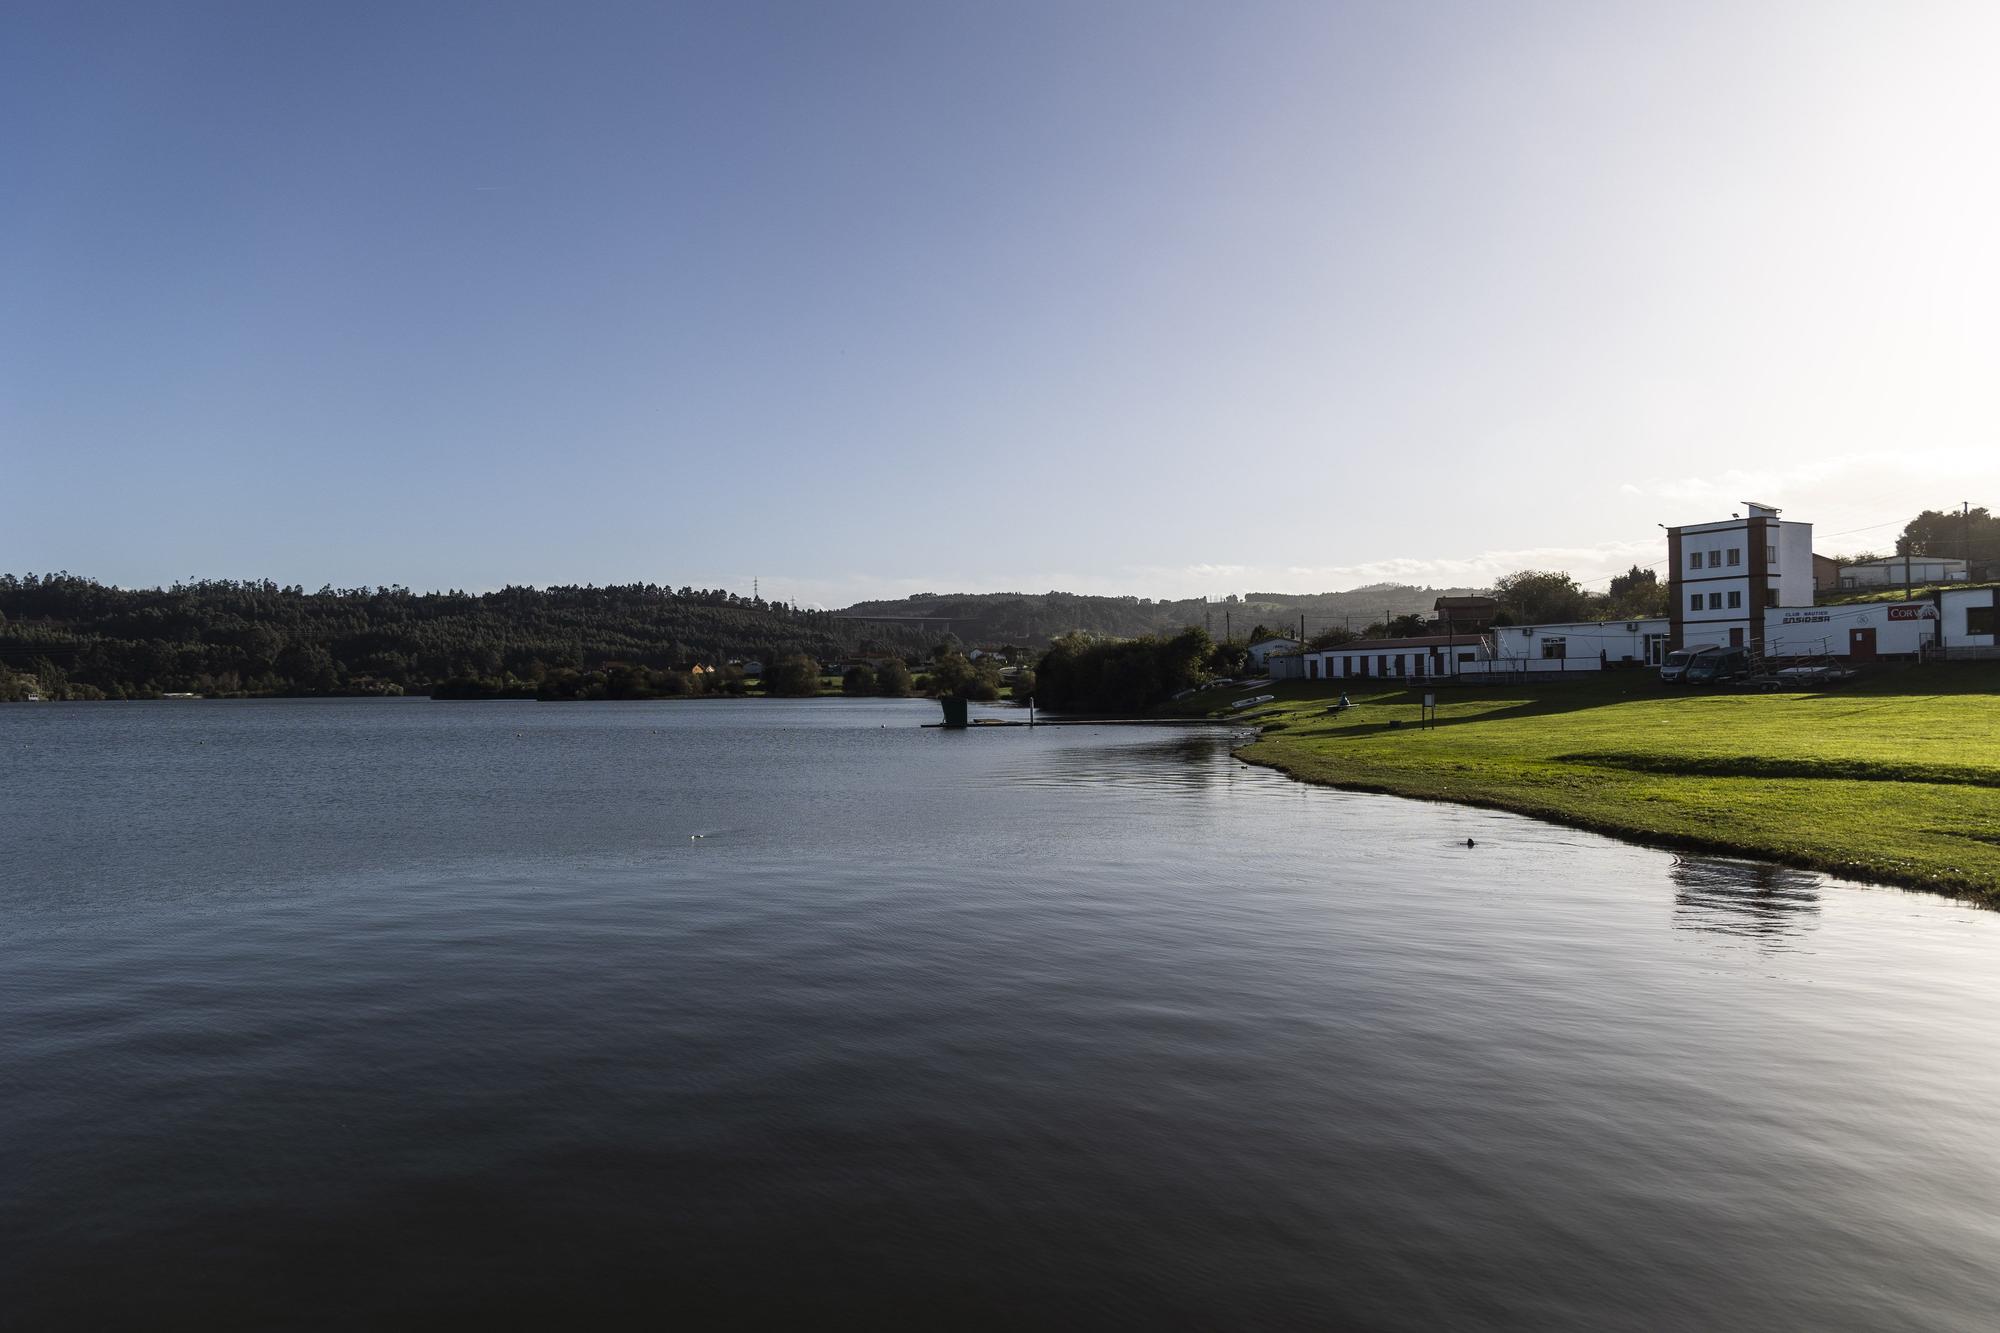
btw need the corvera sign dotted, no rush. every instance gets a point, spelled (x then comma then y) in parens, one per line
(1913, 611)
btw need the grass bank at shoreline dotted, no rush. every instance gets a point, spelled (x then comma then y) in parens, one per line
(1893, 778)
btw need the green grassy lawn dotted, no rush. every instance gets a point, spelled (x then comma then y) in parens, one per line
(1895, 777)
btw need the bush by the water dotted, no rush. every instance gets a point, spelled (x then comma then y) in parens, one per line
(955, 675)
(892, 679)
(622, 681)
(1082, 675)
(794, 676)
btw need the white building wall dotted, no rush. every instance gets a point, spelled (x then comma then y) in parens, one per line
(1959, 617)
(1581, 646)
(1260, 652)
(1901, 629)
(1715, 597)
(1792, 573)
(1714, 582)
(1385, 662)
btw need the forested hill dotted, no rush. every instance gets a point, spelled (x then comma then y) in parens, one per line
(1033, 619)
(80, 638)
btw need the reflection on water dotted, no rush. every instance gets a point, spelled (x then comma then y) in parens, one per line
(1769, 905)
(1182, 759)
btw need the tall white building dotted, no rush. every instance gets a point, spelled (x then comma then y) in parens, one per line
(1727, 574)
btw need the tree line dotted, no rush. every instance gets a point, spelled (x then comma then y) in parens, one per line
(66, 636)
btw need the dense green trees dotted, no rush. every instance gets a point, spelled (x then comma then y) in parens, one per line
(892, 679)
(1407, 626)
(858, 679)
(79, 638)
(1539, 596)
(794, 676)
(1969, 534)
(954, 674)
(1636, 594)
(1083, 675)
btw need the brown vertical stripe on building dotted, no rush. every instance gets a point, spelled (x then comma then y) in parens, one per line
(1676, 590)
(1759, 596)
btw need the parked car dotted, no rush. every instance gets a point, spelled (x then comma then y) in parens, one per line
(1706, 664)
(1674, 670)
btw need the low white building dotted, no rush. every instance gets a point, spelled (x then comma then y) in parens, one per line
(1421, 658)
(1969, 621)
(1260, 652)
(1857, 631)
(1286, 666)
(1587, 645)
(1906, 569)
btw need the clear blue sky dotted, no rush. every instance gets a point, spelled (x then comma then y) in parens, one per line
(1160, 298)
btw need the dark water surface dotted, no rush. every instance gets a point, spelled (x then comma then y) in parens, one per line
(388, 1013)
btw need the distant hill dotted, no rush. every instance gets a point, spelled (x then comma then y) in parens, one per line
(81, 639)
(1031, 620)
(76, 638)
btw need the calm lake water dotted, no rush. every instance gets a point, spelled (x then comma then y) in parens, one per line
(337, 1014)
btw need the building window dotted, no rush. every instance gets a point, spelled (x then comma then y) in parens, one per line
(1715, 560)
(1694, 559)
(1346, 666)
(1979, 619)
(1735, 600)
(1694, 602)
(1554, 648)
(1468, 657)
(1735, 556)
(1771, 556)
(1715, 601)
(1770, 596)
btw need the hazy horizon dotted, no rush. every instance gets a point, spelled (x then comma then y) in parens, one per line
(1151, 300)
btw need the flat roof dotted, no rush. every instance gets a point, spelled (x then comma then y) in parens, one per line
(1588, 624)
(1419, 641)
(1718, 524)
